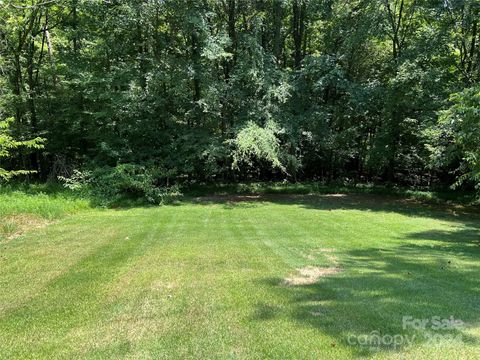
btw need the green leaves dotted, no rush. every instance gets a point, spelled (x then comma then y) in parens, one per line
(8, 143)
(461, 123)
(254, 143)
(278, 88)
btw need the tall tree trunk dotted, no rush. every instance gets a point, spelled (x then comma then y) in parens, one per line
(141, 52)
(17, 87)
(50, 50)
(397, 18)
(32, 88)
(472, 46)
(277, 29)
(196, 70)
(75, 40)
(298, 30)
(232, 34)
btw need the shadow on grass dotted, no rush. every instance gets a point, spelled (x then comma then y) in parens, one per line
(435, 273)
(376, 289)
(466, 239)
(353, 201)
(375, 292)
(364, 306)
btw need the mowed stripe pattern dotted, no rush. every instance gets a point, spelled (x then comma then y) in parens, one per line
(206, 279)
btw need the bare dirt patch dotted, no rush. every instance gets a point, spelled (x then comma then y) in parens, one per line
(16, 225)
(310, 275)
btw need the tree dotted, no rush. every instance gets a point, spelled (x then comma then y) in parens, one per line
(459, 135)
(353, 87)
(8, 143)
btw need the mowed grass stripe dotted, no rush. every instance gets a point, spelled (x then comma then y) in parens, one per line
(75, 296)
(206, 281)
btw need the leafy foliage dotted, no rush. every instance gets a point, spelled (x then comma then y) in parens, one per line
(241, 90)
(8, 143)
(461, 125)
(256, 143)
(112, 185)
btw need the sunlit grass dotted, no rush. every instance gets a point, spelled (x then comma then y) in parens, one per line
(21, 208)
(206, 279)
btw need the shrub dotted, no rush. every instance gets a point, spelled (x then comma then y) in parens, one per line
(111, 185)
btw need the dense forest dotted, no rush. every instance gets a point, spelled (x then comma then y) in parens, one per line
(171, 91)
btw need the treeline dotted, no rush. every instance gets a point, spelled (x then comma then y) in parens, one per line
(175, 90)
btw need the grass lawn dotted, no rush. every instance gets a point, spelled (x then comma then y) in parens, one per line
(22, 209)
(281, 276)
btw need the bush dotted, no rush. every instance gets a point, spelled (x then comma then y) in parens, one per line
(111, 185)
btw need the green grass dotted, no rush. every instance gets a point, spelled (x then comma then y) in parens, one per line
(206, 279)
(43, 205)
(33, 206)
